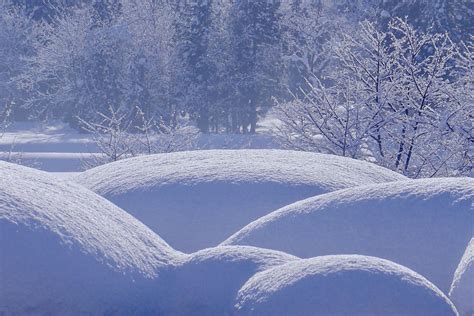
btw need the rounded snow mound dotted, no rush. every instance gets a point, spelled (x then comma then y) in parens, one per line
(424, 225)
(341, 285)
(207, 282)
(196, 199)
(462, 289)
(65, 250)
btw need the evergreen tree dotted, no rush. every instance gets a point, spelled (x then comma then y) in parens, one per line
(257, 64)
(197, 77)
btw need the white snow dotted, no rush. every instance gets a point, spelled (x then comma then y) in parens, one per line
(207, 282)
(462, 289)
(197, 199)
(424, 225)
(66, 251)
(55, 147)
(65, 175)
(341, 285)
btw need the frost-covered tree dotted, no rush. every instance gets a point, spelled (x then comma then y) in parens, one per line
(307, 29)
(85, 63)
(340, 115)
(151, 58)
(118, 137)
(76, 66)
(459, 120)
(427, 91)
(392, 98)
(218, 62)
(451, 16)
(15, 45)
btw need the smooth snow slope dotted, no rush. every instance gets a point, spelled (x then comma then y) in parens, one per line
(207, 282)
(66, 251)
(424, 225)
(462, 289)
(197, 199)
(341, 285)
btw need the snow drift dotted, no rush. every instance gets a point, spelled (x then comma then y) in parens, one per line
(207, 282)
(196, 199)
(462, 289)
(66, 251)
(341, 285)
(424, 225)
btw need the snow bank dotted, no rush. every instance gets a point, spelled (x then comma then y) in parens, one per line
(66, 251)
(341, 285)
(207, 282)
(424, 225)
(197, 199)
(462, 289)
(50, 161)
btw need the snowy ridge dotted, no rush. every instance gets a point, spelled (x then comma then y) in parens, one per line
(195, 200)
(66, 250)
(341, 285)
(330, 172)
(207, 282)
(408, 222)
(462, 289)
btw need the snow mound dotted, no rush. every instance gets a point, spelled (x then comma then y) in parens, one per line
(424, 225)
(64, 250)
(207, 282)
(195, 200)
(341, 285)
(462, 289)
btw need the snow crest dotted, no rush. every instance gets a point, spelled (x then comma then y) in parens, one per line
(207, 282)
(424, 225)
(341, 285)
(462, 289)
(195, 200)
(64, 250)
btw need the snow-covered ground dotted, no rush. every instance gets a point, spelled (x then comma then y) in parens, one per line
(80, 243)
(197, 199)
(341, 285)
(207, 282)
(67, 251)
(423, 224)
(58, 148)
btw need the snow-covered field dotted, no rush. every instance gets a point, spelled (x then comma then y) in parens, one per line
(197, 199)
(58, 148)
(409, 222)
(226, 232)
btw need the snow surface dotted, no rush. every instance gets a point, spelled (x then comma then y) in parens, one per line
(462, 289)
(207, 282)
(66, 251)
(55, 147)
(424, 225)
(195, 200)
(341, 285)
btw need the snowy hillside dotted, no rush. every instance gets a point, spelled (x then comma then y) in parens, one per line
(341, 285)
(197, 199)
(236, 157)
(462, 289)
(67, 251)
(424, 225)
